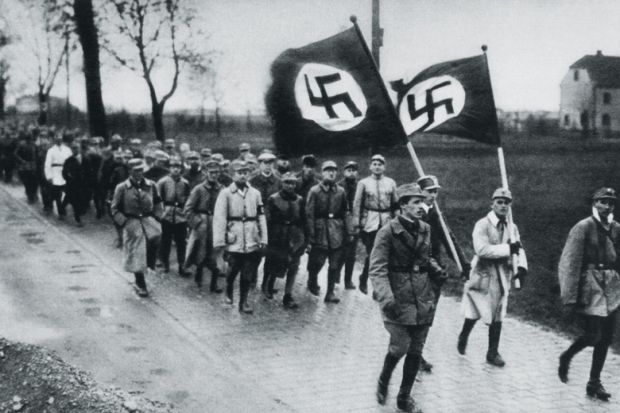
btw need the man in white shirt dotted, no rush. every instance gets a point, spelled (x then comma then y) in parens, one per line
(54, 161)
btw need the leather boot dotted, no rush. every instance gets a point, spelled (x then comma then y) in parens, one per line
(141, 285)
(313, 285)
(213, 285)
(198, 276)
(493, 356)
(330, 297)
(595, 389)
(289, 303)
(404, 401)
(389, 364)
(468, 325)
(244, 290)
(565, 359)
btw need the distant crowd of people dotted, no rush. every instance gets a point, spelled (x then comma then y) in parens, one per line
(229, 215)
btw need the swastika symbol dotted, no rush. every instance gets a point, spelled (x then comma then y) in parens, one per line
(431, 105)
(327, 101)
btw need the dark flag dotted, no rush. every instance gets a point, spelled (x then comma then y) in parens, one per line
(329, 96)
(451, 98)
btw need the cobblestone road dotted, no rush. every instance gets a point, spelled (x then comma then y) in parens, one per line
(326, 358)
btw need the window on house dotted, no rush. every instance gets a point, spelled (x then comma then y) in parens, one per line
(606, 98)
(566, 120)
(606, 119)
(576, 74)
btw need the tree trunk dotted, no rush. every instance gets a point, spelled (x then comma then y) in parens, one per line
(3, 81)
(218, 122)
(157, 110)
(87, 31)
(42, 119)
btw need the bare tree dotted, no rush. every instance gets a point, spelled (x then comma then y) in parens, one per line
(4, 72)
(205, 80)
(159, 33)
(84, 18)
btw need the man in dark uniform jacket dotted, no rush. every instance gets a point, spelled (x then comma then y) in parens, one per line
(75, 187)
(195, 174)
(306, 178)
(349, 183)
(160, 168)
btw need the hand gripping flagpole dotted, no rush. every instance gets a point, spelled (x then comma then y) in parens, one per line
(412, 153)
(504, 176)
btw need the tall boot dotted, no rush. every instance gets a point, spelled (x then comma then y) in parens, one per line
(389, 364)
(330, 297)
(364, 277)
(404, 401)
(230, 288)
(244, 290)
(493, 357)
(215, 274)
(141, 284)
(313, 285)
(198, 275)
(468, 325)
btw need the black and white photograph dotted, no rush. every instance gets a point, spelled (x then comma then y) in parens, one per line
(309, 206)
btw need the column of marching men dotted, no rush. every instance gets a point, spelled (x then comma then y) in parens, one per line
(227, 216)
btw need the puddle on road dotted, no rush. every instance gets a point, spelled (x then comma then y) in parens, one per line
(33, 237)
(159, 372)
(93, 312)
(73, 252)
(177, 396)
(134, 349)
(77, 271)
(77, 288)
(89, 300)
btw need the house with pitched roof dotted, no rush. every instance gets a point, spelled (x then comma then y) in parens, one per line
(590, 94)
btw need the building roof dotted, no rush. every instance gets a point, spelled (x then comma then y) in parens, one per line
(603, 70)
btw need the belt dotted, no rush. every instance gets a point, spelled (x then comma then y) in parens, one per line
(139, 216)
(57, 164)
(378, 210)
(599, 267)
(174, 204)
(242, 219)
(204, 211)
(329, 216)
(415, 268)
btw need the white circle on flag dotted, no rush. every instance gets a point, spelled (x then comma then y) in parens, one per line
(430, 103)
(330, 97)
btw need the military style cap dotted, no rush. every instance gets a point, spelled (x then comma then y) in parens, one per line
(238, 165)
(266, 157)
(117, 155)
(428, 182)
(161, 155)
(156, 144)
(283, 165)
(206, 152)
(328, 165)
(225, 163)
(96, 140)
(149, 154)
(169, 143)
(289, 177)
(351, 165)
(379, 158)
(408, 190)
(127, 154)
(192, 155)
(605, 193)
(217, 157)
(309, 160)
(502, 193)
(212, 164)
(176, 161)
(116, 138)
(135, 163)
(244, 147)
(135, 141)
(252, 160)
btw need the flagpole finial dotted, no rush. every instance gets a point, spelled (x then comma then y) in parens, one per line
(484, 48)
(353, 18)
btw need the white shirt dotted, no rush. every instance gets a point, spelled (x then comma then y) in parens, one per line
(54, 161)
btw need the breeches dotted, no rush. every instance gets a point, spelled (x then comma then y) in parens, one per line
(406, 339)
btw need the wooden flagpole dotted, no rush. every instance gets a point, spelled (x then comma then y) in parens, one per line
(412, 153)
(504, 176)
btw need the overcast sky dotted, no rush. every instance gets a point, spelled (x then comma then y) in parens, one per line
(531, 44)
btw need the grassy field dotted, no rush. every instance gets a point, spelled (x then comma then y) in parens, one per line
(551, 179)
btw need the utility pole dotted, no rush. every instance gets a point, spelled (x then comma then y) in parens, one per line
(377, 33)
(68, 79)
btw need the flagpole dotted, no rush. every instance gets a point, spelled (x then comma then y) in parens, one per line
(412, 153)
(504, 177)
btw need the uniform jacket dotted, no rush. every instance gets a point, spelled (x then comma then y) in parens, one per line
(174, 194)
(486, 293)
(266, 185)
(400, 264)
(194, 177)
(155, 173)
(136, 207)
(119, 173)
(199, 213)
(588, 267)
(286, 224)
(326, 209)
(438, 238)
(54, 160)
(304, 184)
(374, 202)
(239, 222)
(73, 174)
(92, 166)
(26, 156)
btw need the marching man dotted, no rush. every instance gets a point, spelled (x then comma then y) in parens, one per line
(485, 295)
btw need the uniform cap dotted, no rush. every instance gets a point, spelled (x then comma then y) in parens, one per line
(192, 155)
(116, 138)
(96, 140)
(169, 142)
(428, 182)
(266, 157)
(328, 165)
(283, 165)
(205, 152)
(289, 177)
(309, 160)
(251, 160)
(161, 155)
(212, 164)
(239, 165)
(176, 161)
(185, 147)
(225, 163)
(408, 190)
(244, 147)
(135, 141)
(217, 157)
(605, 193)
(502, 193)
(379, 158)
(135, 163)
(351, 165)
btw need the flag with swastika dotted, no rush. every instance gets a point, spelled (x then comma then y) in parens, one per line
(450, 98)
(328, 96)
